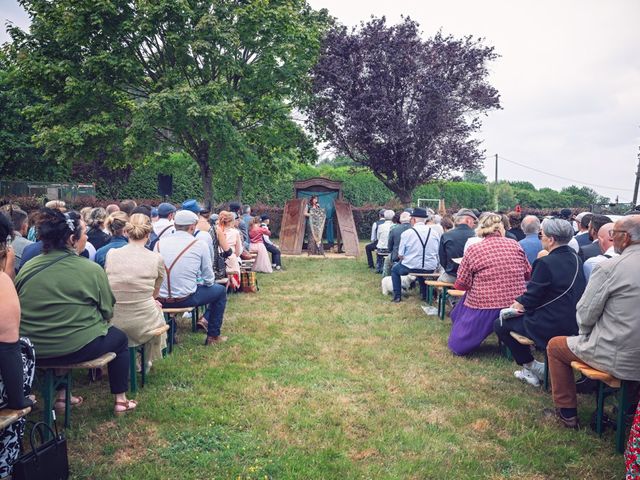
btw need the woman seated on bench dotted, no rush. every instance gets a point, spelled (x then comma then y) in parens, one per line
(66, 304)
(135, 275)
(493, 272)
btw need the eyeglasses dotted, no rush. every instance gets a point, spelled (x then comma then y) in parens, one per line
(613, 232)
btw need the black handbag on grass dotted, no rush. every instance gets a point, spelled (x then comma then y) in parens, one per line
(46, 461)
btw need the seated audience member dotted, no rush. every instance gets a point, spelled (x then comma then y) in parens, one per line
(112, 208)
(243, 228)
(234, 241)
(632, 454)
(96, 233)
(57, 205)
(453, 241)
(186, 259)
(11, 369)
(127, 206)
(605, 242)
(66, 306)
(447, 224)
(262, 263)
(383, 238)
(608, 324)
(164, 225)
(143, 209)
(531, 243)
(370, 247)
(115, 223)
(31, 233)
(515, 222)
(506, 222)
(202, 227)
(395, 234)
(272, 248)
(135, 275)
(492, 272)
(246, 215)
(417, 253)
(434, 222)
(18, 243)
(582, 220)
(593, 248)
(549, 303)
(154, 215)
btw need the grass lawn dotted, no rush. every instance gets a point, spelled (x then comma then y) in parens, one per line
(323, 377)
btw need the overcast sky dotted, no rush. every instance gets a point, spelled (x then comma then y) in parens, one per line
(568, 76)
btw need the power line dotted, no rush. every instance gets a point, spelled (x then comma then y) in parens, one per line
(563, 178)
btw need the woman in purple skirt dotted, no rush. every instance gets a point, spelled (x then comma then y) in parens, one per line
(493, 272)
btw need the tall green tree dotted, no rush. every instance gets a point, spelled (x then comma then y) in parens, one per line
(121, 79)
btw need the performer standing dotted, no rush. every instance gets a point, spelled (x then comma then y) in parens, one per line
(317, 217)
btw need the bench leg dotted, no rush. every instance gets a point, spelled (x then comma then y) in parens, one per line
(546, 372)
(620, 421)
(143, 361)
(443, 303)
(429, 294)
(600, 408)
(67, 404)
(48, 391)
(133, 377)
(194, 319)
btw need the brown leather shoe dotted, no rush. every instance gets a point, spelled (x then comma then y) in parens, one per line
(567, 422)
(214, 340)
(202, 323)
(246, 256)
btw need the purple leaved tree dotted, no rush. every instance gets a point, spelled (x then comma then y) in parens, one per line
(402, 106)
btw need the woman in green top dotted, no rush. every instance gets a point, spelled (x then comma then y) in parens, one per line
(67, 303)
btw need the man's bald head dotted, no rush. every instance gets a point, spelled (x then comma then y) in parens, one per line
(604, 240)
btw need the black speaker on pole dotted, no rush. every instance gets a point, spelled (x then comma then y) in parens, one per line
(165, 185)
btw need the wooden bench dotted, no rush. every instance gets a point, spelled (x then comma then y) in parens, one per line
(61, 376)
(7, 416)
(170, 318)
(522, 340)
(618, 389)
(133, 353)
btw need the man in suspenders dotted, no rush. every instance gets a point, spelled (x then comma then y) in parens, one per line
(164, 225)
(185, 258)
(418, 253)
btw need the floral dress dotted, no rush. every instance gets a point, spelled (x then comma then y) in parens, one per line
(632, 455)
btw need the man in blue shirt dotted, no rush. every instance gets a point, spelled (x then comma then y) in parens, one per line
(418, 253)
(531, 243)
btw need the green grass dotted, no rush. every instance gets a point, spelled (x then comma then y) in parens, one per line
(324, 378)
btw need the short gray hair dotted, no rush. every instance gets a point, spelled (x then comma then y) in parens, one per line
(632, 225)
(530, 224)
(558, 228)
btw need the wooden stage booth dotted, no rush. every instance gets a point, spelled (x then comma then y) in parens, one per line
(329, 193)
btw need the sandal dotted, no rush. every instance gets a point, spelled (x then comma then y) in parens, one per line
(59, 404)
(129, 405)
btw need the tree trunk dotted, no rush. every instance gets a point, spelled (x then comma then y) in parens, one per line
(207, 174)
(404, 197)
(239, 188)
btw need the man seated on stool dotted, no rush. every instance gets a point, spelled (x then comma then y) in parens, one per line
(185, 257)
(609, 325)
(418, 253)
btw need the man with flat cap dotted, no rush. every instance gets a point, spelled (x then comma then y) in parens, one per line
(418, 253)
(453, 242)
(186, 259)
(164, 225)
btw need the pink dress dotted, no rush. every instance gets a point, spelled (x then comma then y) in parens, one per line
(235, 242)
(263, 262)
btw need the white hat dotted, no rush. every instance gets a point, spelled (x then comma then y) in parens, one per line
(185, 217)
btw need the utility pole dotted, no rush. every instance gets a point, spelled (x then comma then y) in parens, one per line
(496, 169)
(635, 190)
(495, 188)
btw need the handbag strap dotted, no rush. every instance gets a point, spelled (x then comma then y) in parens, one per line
(29, 276)
(38, 428)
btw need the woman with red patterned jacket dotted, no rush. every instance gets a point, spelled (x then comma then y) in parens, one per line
(493, 272)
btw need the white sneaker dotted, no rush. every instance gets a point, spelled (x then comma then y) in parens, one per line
(538, 370)
(528, 376)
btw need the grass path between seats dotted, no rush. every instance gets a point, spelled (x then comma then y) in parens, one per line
(324, 378)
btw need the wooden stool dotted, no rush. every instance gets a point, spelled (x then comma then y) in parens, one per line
(522, 340)
(7, 416)
(53, 380)
(433, 285)
(133, 351)
(615, 386)
(170, 318)
(452, 293)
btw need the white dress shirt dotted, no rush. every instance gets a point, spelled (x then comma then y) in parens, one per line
(193, 263)
(161, 224)
(383, 235)
(414, 256)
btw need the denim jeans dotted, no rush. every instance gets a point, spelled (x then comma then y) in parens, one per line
(400, 270)
(275, 254)
(215, 297)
